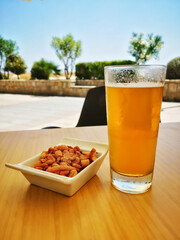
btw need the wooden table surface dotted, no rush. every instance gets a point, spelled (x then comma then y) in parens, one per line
(97, 210)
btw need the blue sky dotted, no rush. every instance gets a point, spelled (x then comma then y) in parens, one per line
(104, 27)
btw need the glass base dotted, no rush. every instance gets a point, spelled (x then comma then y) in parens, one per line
(128, 184)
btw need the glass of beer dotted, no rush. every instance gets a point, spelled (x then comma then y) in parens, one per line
(133, 98)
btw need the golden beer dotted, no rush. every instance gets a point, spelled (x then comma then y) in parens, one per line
(133, 97)
(133, 115)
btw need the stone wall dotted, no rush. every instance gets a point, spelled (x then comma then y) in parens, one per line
(87, 82)
(172, 90)
(43, 87)
(68, 88)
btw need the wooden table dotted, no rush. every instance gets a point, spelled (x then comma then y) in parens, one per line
(97, 210)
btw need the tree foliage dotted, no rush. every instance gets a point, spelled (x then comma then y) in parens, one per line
(7, 48)
(15, 64)
(143, 49)
(95, 70)
(67, 50)
(42, 69)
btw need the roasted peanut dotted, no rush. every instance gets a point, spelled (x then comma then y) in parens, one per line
(93, 158)
(76, 148)
(43, 159)
(85, 163)
(72, 173)
(50, 161)
(83, 157)
(76, 160)
(43, 154)
(65, 167)
(63, 147)
(51, 150)
(65, 160)
(77, 166)
(55, 164)
(38, 164)
(64, 173)
(54, 169)
(58, 153)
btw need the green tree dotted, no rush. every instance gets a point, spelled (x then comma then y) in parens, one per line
(143, 49)
(7, 48)
(1, 54)
(42, 69)
(67, 50)
(15, 64)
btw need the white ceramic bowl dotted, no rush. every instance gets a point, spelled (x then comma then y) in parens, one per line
(62, 184)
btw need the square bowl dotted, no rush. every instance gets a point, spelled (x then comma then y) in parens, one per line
(62, 184)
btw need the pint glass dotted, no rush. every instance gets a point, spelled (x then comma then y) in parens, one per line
(133, 97)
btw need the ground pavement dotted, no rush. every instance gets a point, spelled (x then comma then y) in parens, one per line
(23, 112)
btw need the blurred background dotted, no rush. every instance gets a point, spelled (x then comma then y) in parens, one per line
(73, 40)
(104, 27)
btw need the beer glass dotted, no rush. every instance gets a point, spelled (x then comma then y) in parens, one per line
(133, 97)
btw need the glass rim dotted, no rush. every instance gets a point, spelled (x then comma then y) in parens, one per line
(137, 66)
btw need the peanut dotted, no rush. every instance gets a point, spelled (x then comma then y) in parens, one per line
(72, 173)
(65, 160)
(63, 147)
(38, 164)
(85, 163)
(50, 161)
(77, 166)
(93, 158)
(64, 173)
(43, 154)
(76, 160)
(58, 153)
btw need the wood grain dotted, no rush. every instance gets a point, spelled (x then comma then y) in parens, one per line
(97, 210)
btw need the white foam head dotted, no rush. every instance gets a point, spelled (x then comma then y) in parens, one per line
(135, 84)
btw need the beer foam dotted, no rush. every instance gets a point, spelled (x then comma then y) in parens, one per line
(135, 84)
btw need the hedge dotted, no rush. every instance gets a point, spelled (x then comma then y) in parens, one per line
(173, 69)
(95, 70)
